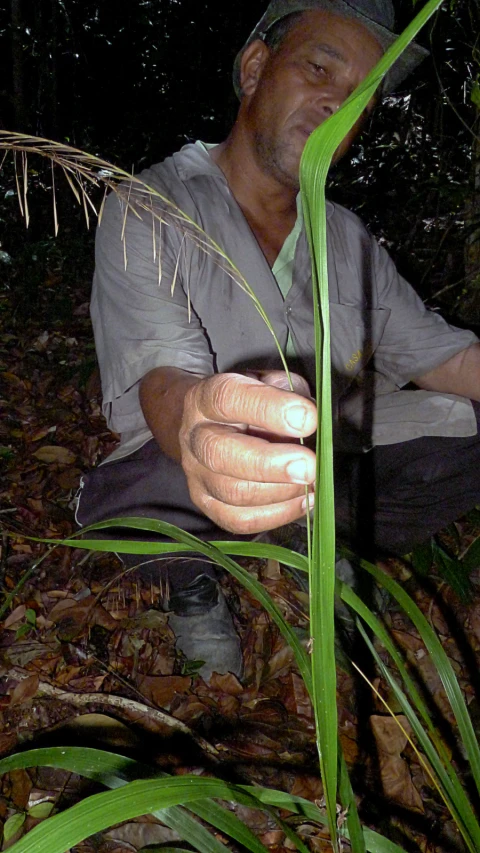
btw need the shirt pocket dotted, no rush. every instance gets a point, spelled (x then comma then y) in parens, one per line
(355, 335)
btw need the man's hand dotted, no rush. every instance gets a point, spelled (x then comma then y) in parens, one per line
(239, 472)
(238, 444)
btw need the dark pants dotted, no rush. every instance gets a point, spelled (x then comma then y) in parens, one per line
(397, 495)
(387, 500)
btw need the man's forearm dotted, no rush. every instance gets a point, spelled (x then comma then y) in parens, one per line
(162, 396)
(459, 375)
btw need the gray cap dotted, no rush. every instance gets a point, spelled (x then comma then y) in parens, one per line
(378, 16)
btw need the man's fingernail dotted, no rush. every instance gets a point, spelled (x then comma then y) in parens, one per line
(295, 417)
(308, 503)
(297, 471)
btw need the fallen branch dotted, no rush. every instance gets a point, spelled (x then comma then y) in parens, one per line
(126, 709)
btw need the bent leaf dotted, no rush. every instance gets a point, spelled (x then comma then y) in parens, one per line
(314, 166)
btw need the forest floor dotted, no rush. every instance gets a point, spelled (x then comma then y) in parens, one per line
(86, 658)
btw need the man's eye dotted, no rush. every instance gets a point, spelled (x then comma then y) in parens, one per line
(318, 69)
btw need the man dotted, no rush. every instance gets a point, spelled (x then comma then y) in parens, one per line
(191, 380)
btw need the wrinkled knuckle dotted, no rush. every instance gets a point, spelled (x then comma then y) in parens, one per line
(240, 492)
(223, 390)
(207, 447)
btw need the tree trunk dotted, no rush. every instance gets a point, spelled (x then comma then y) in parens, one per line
(19, 102)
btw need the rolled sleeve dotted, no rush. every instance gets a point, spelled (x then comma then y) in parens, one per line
(415, 339)
(140, 320)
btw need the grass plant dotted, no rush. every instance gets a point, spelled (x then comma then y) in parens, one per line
(137, 790)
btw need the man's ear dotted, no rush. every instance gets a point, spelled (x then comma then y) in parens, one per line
(253, 60)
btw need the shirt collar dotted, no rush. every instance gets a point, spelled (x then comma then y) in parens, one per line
(194, 160)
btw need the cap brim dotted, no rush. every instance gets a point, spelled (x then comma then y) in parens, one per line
(412, 56)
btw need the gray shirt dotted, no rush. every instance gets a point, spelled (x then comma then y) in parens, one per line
(382, 334)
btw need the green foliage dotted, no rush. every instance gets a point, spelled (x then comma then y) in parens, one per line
(475, 94)
(29, 625)
(455, 570)
(13, 825)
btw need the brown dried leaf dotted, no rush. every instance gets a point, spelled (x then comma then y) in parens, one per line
(309, 787)
(69, 479)
(227, 683)
(40, 433)
(395, 774)
(53, 454)
(140, 835)
(106, 730)
(72, 616)
(15, 617)
(272, 570)
(161, 689)
(7, 742)
(25, 690)
(21, 785)
(269, 711)
(302, 699)
(280, 662)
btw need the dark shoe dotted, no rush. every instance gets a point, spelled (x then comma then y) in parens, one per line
(204, 629)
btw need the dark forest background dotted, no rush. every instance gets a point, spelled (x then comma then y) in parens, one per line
(133, 82)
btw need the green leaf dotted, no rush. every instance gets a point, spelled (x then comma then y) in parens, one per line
(454, 796)
(422, 558)
(191, 543)
(455, 572)
(59, 833)
(22, 631)
(471, 558)
(12, 825)
(41, 810)
(439, 757)
(115, 771)
(314, 166)
(440, 661)
(191, 667)
(475, 95)
(31, 617)
(133, 546)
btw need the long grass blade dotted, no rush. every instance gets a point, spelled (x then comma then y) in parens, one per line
(455, 791)
(378, 628)
(454, 797)
(162, 528)
(441, 662)
(134, 546)
(59, 833)
(314, 167)
(114, 771)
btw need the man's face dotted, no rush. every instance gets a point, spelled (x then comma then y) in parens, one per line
(289, 92)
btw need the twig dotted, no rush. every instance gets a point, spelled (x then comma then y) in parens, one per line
(120, 704)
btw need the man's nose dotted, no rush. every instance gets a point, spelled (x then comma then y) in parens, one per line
(329, 108)
(330, 102)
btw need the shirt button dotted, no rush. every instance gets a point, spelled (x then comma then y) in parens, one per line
(288, 310)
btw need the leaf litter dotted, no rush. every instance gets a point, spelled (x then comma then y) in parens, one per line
(85, 655)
